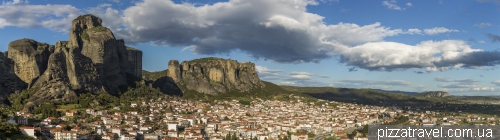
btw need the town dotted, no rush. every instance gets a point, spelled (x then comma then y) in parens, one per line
(180, 119)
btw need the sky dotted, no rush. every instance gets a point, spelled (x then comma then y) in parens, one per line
(406, 45)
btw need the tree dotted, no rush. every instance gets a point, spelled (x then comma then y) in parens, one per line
(353, 134)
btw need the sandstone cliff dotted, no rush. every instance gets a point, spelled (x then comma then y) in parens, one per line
(214, 75)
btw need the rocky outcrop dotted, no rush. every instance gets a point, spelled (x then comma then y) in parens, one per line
(9, 81)
(435, 94)
(100, 45)
(135, 62)
(30, 58)
(68, 67)
(215, 75)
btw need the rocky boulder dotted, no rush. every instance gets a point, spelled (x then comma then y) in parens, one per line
(214, 75)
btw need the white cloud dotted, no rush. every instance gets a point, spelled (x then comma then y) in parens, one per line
(392, 5)
(22, 14)
(301, 75)
(264, 71)
(286, 83)
(484, 24)
(115, 1)
(409, 4)
(438, 30)
(414, 31)
(496, 83)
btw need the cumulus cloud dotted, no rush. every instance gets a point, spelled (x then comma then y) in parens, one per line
(482, 25)
(442, 79)
(391, 5)
(414, 31)
(22, 14)
(438, 30)
(280, 31)
(493, 37)
(265, 72)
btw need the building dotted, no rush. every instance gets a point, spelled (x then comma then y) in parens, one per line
(28, 130)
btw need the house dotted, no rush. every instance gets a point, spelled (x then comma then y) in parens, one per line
(67, 135)
(127, 137)
(28, 130)
(90, 111)
(71, 113)
(133, 104)
(22, 120)
(172, 126)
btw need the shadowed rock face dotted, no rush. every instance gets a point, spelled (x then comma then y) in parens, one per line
(214, 75)
(99, 44)
(9, 82)
(70, 68)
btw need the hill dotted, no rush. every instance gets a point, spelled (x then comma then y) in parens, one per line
(452, 104)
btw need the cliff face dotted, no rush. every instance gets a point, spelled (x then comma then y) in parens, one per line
(435, 94)
(100, 45)
(30, 58)
(9, 82)
(214, 75)
(135, 62)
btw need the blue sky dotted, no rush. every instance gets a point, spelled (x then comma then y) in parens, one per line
(393, 45)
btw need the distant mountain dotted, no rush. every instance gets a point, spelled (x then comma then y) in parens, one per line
(397, 91)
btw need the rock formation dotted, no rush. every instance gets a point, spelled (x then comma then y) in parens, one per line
(99, 44)
(215, 75)
(435, 94)
(9, 82)
(91, 61)
(66, 66)
(30, 58)
(135, 62)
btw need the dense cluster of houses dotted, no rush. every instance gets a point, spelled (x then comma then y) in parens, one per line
(179, 119)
